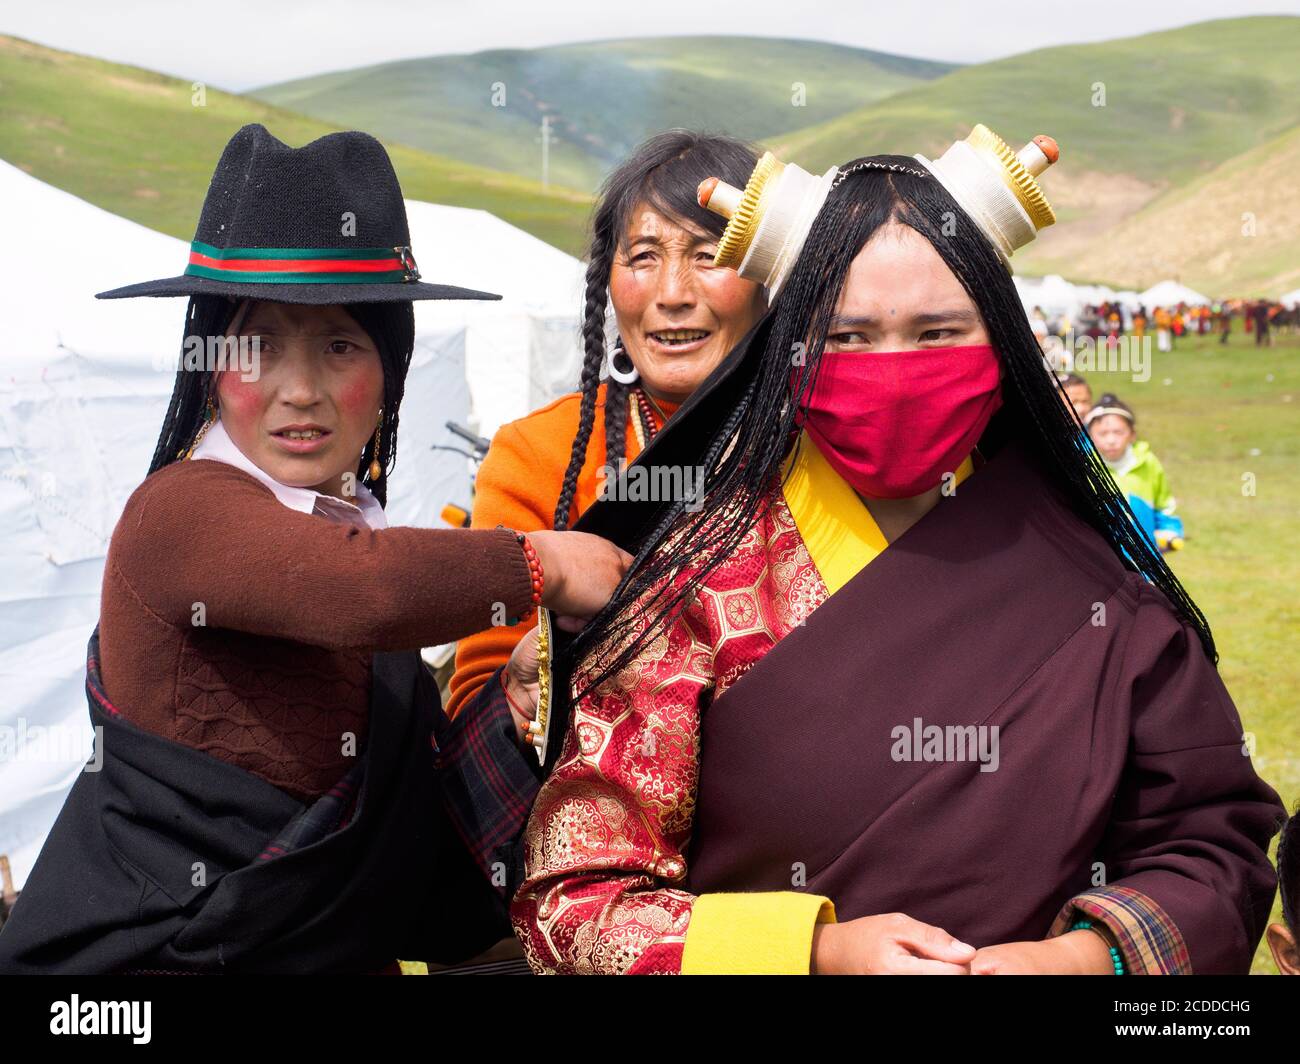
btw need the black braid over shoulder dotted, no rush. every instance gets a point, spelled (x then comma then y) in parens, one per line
(593, 346)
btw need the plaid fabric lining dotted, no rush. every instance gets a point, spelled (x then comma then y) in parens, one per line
(1148, 939)
(331, 812)
(94, 685)
(488, 780)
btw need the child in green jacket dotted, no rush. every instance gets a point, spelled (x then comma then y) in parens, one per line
(1136, 470)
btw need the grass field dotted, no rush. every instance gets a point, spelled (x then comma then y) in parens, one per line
(1214, 414)
(1138, 121)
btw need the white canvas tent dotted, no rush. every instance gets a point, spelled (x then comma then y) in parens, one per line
(1057, 296)
(1171, 293)
(1053, 293)
(1094, 294)
(84, 385)
(1290, 299)
(522, 351)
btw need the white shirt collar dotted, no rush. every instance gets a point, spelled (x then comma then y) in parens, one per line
(217, 445)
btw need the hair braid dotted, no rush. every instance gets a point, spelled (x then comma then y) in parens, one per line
(593, 343)
(616, 396)
(392, 328)
(204, 316)
(717, 541)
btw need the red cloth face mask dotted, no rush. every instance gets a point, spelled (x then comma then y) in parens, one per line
(893, 423)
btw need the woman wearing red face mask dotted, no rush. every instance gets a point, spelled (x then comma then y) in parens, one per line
(913, 667)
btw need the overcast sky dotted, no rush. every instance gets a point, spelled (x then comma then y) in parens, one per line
(239, 44)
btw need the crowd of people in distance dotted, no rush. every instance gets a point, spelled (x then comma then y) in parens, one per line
(1111, 320)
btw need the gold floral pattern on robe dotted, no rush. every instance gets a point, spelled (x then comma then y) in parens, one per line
(607, 837)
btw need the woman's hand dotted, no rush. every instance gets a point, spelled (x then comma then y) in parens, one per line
(889, 944)
(579, 574)
(521, 682)
(1080, 952)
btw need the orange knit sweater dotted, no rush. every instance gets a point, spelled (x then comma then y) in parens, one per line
(518, 485)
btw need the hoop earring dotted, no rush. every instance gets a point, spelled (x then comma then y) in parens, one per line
(209, 419)
(376, 470)
(622, 376)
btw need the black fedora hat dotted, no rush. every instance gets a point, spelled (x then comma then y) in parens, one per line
(324, 223)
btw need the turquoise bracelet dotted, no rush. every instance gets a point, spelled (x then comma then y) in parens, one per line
(1115, 958)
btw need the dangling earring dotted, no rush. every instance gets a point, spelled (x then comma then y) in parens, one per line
(623, 376)
(376, 470)
(210, 417)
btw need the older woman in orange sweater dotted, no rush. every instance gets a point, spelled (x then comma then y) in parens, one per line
(677, 316)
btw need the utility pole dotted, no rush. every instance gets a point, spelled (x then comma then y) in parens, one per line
(546, 151)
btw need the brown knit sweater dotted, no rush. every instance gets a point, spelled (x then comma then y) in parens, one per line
(240, 627)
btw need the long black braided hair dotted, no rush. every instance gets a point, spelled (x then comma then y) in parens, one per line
(744, 455)
(390, 326)
(663, 172)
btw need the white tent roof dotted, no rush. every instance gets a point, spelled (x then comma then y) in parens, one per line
(1056, 295)
(523, 351)
(84, 385)
(1053, 293)
(1290, 299)
(1171, 293)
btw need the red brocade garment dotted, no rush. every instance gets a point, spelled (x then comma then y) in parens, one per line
(777, 744)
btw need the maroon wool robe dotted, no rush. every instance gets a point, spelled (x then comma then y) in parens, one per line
(1120, 753)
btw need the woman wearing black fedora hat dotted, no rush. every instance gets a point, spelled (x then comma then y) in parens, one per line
(275, 785)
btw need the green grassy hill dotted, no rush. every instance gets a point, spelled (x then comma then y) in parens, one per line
(603, 97)
(1178, 104)
(1233, 229)
(1198, 128)
(132, 142)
